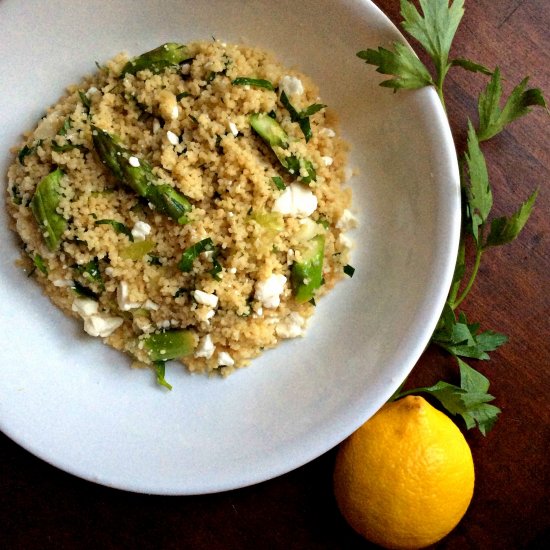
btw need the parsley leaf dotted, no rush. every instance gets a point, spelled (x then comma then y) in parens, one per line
(492, 119)
(471, 66)
(470, 400)
(480, 197)
(461, 338)
(504, 229)
(402, 63)
(436, 29)
(301, 117)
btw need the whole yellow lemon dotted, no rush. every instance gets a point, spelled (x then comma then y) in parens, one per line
(406, 477)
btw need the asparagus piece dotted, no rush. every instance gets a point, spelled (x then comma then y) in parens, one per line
(137, 174)
(44, 207)
(307, 275)
(172, 344)
(157, 60)
(274, 135)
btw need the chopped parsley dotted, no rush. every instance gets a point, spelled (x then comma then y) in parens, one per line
(118, 227)
(349, 270)
(255, 82)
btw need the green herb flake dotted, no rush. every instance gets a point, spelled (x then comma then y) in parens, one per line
(84, 291)
(349, 270)
(91, 272)
(40, 264)
(254, 82)
(182, 95)
(301, 117)
(87, 104)
(160, 371)
(117, 226)
(192, 253)
(279, 183)
(27, 151)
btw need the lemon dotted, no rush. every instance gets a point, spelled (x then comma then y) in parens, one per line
(406, 477)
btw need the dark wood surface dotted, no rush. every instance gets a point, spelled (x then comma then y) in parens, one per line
(42, 507)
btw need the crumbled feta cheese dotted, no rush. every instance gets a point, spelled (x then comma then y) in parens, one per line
(209, 314)
(96, 325)
(109, 271)
(290, 254)
(206, 347)
(122, 298)
(291, 326)
(327, 161)
(291, 85)
(156, 126)
(205, 298)
(164, 324)
(133, 161)
(328, 132)
(347, 221)
(175, 112)
(185, 69)
(225, 360)
(172, 138)
(91, 91)
(296, 200)
(345, 241)
(232, 270)
(140, 230)
(268, 292)
(62, 282)
(150, 305)
(233, 129)
(85, 306)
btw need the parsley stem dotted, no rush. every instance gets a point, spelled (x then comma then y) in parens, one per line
(475, 269)
(441, 74)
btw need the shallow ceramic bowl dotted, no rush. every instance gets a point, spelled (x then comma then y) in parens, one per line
(77, 404)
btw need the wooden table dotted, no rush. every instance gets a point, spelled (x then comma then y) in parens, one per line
(42, 507)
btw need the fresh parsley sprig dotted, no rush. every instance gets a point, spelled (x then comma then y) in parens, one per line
(434, 27)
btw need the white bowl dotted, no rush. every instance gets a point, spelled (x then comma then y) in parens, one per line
(75, 403)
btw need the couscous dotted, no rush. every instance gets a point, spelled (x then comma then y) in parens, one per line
(186, 204)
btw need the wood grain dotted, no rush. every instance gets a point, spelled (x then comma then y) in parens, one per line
(42, 507)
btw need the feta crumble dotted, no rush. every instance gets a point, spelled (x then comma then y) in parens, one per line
(269, 292)
(328, 132)
(291, 326)
(296, 200)
(205, 299)
(327, 161)
(133, 161)
(95, 324)
(291, 85)
(225, 360)
(206, 347)
(140, 230)
(122, 297)
(347, 221)
(233, 129)
(172, 138)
